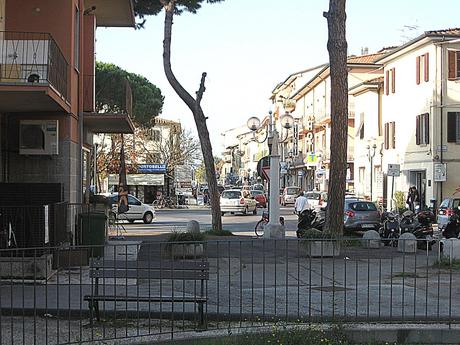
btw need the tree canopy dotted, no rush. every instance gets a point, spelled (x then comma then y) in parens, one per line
(111, 93)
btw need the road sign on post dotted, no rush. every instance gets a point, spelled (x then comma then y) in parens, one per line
(263, 168)
(394, 170)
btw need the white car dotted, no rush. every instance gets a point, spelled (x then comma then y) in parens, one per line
(137, 209)
(236, 200)
(316, 199)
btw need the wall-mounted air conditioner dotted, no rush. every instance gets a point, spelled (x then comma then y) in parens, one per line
(38, 137)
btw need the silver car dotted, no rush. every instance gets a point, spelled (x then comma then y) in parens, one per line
(236, 200)
(360, 215)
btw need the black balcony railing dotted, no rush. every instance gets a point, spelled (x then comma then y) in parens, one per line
(33, 59)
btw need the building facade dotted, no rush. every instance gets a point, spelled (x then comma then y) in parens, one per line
(47, 68)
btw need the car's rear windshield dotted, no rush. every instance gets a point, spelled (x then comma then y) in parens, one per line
(313, 196)
(363, 206)
(256, 192)
(292, 190)
(231, 194)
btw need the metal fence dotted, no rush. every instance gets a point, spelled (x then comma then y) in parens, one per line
(32, 58)
(154, 290)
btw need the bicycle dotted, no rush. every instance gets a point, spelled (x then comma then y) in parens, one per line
(260, 226)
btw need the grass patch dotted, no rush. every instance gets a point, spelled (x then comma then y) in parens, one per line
(407, 275)
(280, 337)
(447, 263)
(212, 232)
(352, 242)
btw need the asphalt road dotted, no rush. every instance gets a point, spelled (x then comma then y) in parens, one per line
(168, 220)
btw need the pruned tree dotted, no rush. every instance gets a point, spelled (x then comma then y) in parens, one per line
(111, 93)
(171, 8)
(337, 48)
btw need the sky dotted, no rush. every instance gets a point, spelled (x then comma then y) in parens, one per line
(248, 46)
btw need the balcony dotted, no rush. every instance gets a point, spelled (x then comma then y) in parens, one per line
(33, 73)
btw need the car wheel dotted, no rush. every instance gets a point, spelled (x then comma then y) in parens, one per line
(148, 217)
(245, 212)
(255, 211)
(131, 221)
(222, 214)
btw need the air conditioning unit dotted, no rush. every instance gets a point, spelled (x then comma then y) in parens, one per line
(38, 137)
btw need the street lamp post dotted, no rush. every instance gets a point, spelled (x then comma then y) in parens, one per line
(273, 229)
(371, 155)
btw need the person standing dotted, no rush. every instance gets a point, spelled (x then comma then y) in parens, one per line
(301, 204)
(416, 199)
(409, 200)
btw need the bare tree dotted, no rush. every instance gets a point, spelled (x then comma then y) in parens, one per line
(194, 104)
(337, 48)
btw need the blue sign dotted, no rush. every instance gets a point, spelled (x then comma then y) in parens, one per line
(152, 168)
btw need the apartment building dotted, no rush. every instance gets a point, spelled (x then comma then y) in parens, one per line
(420, 114)
(47, 68)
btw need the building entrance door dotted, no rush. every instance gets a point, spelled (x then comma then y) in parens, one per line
(418, 179)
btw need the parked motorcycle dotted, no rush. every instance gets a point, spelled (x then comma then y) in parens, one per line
(310, 219)
(452, 228)
(390, 229)
(419, 224)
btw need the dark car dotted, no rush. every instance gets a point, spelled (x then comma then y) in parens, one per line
(360, 215)
(260, 198)
(448, 208)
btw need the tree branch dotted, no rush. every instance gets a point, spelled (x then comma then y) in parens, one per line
(201, 90)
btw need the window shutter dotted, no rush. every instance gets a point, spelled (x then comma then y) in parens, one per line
(393, 135)
(387, 83)
(417, 70)
(426, 65)
(417, 130)
(393, 80)
(452, 56)
(451, 127)
(427, 127)
(385, 135)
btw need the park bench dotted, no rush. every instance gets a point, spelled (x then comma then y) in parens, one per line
(197, 271)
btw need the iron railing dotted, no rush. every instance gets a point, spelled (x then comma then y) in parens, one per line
(145, 290)
(32, 58)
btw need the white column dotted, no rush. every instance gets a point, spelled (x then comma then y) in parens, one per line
(274, 229)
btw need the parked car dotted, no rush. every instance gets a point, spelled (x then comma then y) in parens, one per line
(360, 215)
(137, 209)
(258, 186)
(236, 200)
(260, 198)
(316, 199)
(289, 195)
(446, 209)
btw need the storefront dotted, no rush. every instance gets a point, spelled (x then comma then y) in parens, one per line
(145, 184)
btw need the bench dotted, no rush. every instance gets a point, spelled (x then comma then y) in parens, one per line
(161, 270)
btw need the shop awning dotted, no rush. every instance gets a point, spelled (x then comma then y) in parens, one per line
(139, 179)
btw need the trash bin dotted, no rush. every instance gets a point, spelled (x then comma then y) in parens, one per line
(92, 225)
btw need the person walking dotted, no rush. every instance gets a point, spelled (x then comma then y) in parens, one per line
(301, 204)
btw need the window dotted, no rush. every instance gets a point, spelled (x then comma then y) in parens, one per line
(453, 127)
(390, 78)
(422, 68)
(363, 206)
(361, 127)
(155, 135)
(389, 135)
(362, 172)
(76, 43)
(422, 129)
(454, 64)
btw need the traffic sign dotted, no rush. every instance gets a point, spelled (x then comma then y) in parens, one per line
(394, 170)
(263, 167)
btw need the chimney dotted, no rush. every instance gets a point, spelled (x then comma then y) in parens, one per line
(364, 50)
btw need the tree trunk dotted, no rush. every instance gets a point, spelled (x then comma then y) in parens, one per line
(337, 48)
(200, 119)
